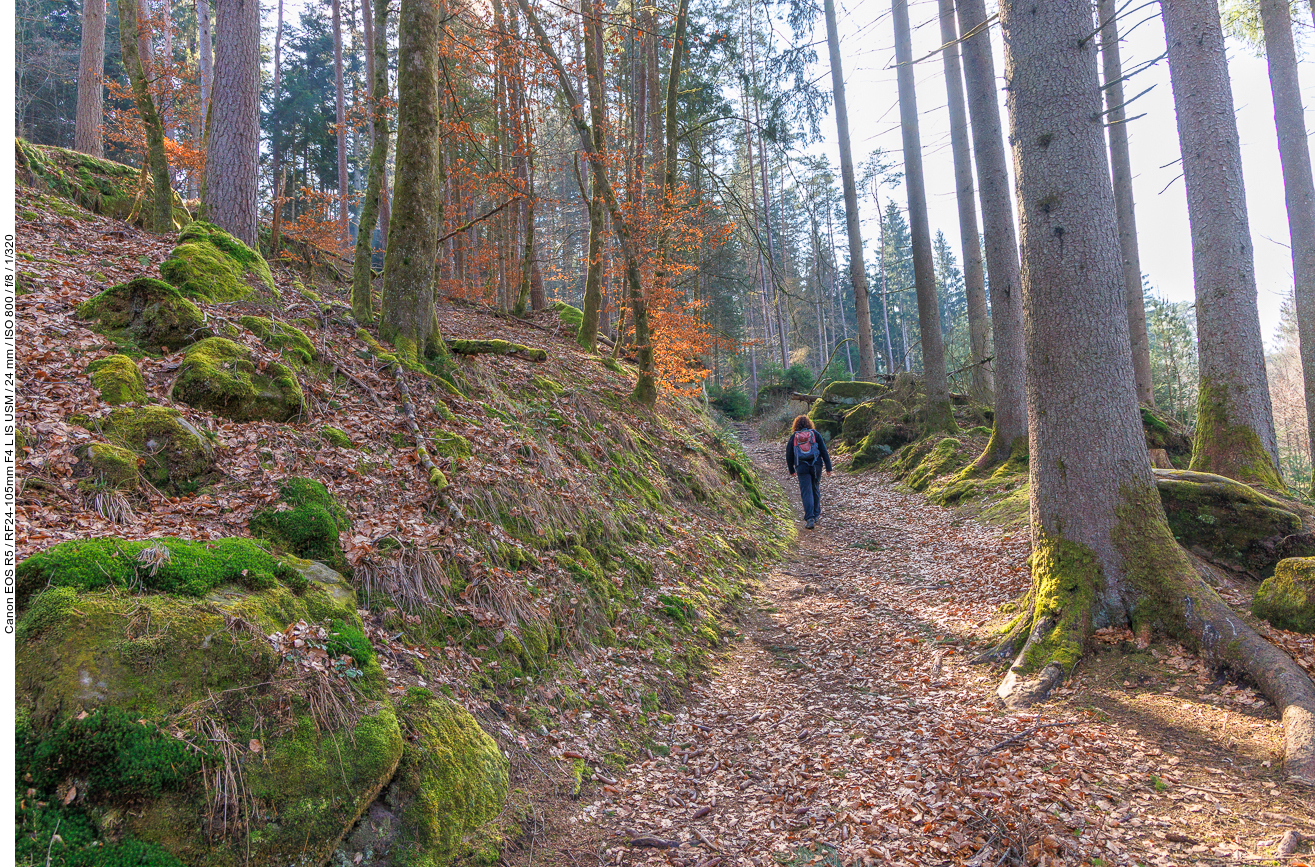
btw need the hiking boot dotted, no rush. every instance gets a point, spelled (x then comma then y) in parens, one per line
(809, 524)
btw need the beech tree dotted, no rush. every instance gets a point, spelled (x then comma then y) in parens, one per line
(1234, 419)
(587, 336)
(1102, 549)
(362, 272)
(340, 106)
(1009, 427)
(233, 133)
(157, 161)
(91, 70)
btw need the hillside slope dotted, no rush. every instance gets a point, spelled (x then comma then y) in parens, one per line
(561, 576)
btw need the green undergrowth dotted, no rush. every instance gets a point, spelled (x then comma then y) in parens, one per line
(307, 522)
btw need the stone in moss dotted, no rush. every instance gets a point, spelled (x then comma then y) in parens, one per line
(118, 380)
(451, 445)
(218, 375)
(176, 456)
(1287, 598)
(335, 437)
(103, 466)
(858, 422)
(98, 185)
(827, 418)
(1167, 435)
(209, 263)
(943, 458)
(571, 317)
(149, 312)
(1227, 520)
(282, 337)
(307, 523)
(851, 393)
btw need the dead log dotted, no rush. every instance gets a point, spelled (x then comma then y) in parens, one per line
(495, 347)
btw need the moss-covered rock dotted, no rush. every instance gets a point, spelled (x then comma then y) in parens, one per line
(211, 264)
(102, 466)
(1226, 520)
(148, 312)
(307, 523)
(850, 393)
(571, 317)
(176, 455)
(495, 347)
(451, 445)
(827, 418)
(450, 785)
(1168, 435)
(335, 437)
(880, 443)
(101, 186)
(283, 337)
(858, 422)
(1287, 598)
(118, 380)
(218, 375)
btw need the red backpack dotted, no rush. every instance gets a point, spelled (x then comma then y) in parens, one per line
(805, 446)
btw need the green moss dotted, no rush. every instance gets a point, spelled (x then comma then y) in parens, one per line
(98, 185)
(118, 380)
(858, 422)
(281, 336)
(211, 264)
(826, 418)
(109, 467)
(189, 569)
(1065, 578)
(451, 445)
(148, 312)
(571, 317)
(850, 393)
(1226, 449)
(944, 457)
(218, 375)
(308, 523)
(495, 347)
(1230, 520)
(335, 437)
(348, 640)
(1287, 598)
(740, 472)
(547, 386)
(452, 782)
(176, 456)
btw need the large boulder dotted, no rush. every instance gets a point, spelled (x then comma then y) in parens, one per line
(307, 523)
(117, 379)
(1227, 521)
(106, 467)
(218, 375)
(850, 393)
(211, 264)
(176, 455)
(147, 312)
(1287, 598)
(98, 185)
(219, 707)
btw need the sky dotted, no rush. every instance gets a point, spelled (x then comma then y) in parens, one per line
(867, 48)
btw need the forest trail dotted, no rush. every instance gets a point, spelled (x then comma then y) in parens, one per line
(847, 726)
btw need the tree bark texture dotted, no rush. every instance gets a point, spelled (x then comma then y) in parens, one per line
(867, 365)
(1121, 169)
(276, 150)
(157, 162)
(408, 319)
(340, 106)
(940, 414)
(205, 65)
(1298, 187)
(90, 117)
(362, 272)
(233, 142)
(1234, 420)
(1103, 553)
(587, 336)
(1009, 430)
(974, 280)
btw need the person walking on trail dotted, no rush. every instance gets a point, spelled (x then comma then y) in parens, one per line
(805, 456)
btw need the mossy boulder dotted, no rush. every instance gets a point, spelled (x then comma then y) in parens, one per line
(851, 393)
(881, 442)
(450, 786)
(827, 418)
(1287, 598)
(1227, 521)
(148, 312)
(451, 445)
(103, 466)
(1168, 435)
(571, 317)
(280, 336)
(118, 380)
(336, 437)
(205, 669)
(306, 523)
(211, 264)
(218, 375)
(859, 421)
(176, 455)
(101, 186)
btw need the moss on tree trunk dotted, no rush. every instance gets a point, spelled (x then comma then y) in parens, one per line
(362, 273)
(157, 163)
(1226, 448)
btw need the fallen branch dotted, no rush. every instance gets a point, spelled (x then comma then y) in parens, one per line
(495, 347)
(436, 477)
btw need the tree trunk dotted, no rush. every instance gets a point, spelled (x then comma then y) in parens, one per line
(587, 336)
(645, 391)
(974, 281)
(91, 72)
(205, 69)
(344, 218)
(1234, 420)
(1009, 429)
(940, 414)
(407, 317)
(233, 143)
(1294, 151)
(867, 366)
(1121, 168)
(362, 271)
(276, 156)
(157, 161)
(1103, 553)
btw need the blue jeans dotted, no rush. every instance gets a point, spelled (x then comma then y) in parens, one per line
(810, 489)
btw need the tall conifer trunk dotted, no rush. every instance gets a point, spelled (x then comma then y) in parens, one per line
(88, 122)
(233, 140)
(587, 336)
(276, 143)
(1234, 419)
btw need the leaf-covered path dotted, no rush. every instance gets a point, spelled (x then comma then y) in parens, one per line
(849, 724)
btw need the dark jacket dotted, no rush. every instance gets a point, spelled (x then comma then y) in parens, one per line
(821, 447)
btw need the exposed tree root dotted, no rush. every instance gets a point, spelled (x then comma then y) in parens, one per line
(436, 478)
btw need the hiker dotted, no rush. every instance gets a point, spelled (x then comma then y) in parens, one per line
(805, 453)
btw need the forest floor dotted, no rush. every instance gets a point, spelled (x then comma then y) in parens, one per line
(847, 725)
